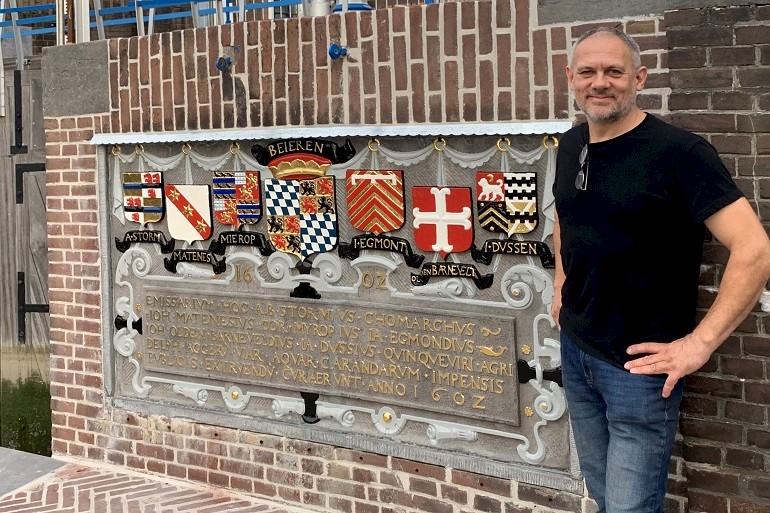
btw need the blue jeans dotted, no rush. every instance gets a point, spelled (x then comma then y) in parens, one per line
(624, 431)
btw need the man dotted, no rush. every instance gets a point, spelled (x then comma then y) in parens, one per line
(633, 198)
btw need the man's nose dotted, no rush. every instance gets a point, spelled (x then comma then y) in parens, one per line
(600, 80)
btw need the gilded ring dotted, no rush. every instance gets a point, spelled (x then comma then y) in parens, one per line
(116, 149)
(500, 144)
(373, 144)
(437, 141)
(139, 149)
(551, 138)
(186, 148)
(234, 147)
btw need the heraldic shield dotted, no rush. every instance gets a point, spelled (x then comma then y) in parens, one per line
(237, 197)
(189, 212)
(507, 202)
(143, 197)
(302, 215)
(443, 219)
(375, 200)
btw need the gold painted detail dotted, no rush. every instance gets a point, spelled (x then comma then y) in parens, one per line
(387, 417)
(299, 166)
(528, 411)
(526, 349)
(138, 308)
(234, 394)
(489, 351)
(552, 139)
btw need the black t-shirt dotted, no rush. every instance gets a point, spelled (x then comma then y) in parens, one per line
(632, 242)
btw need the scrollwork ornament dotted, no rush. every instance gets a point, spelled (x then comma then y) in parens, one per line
(451, 288)
(341, 414)
(135, 258)
(539, 455)
(438, 433)
(529, 280)
(187, 271)
(549, 348)
(279, 265)
(123, 341)
(197, 393)
(138, 262)
(140, 386)
(235, 399)
(329, 266)
(518, 294)
(124, 308)
(386, 421)
(550, 404)
(283, 407)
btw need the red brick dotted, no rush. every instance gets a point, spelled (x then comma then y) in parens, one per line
(711, 430)
(700, 36)
(684, 18)
(699, 501)
(752, 34)
(744, 459)
(549, 498)
(714, 480)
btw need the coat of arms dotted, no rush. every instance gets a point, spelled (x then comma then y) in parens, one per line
(443, 220)
(375, 200)
(143, 197)
(237, 197)
(189, 212)
(507, 202)
(302, 215)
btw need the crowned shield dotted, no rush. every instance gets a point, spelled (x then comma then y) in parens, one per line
(237, 197)
(443, 219)
(507, 202)
(143, 197)
(375, 200)
(302, 215)
(189, 212)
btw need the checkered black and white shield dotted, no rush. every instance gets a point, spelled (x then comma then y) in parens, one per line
(301, 215)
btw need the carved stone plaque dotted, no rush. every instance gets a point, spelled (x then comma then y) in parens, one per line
(433, 360)
(326, 320)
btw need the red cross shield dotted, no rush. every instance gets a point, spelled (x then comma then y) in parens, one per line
(443, 219)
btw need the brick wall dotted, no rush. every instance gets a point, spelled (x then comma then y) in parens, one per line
(719, 62)
(465, 62)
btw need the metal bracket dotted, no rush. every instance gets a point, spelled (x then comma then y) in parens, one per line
(20, 170)
(526, 373)
(24, 308)
(18, 147)
(310, 416)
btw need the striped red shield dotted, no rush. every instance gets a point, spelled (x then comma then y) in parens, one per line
(375, 200)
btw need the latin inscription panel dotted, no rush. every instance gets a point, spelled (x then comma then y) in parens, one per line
(436, 361)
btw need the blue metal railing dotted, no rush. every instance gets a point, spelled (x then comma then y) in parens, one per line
(19, 22)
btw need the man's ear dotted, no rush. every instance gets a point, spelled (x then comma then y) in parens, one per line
(641, 77)
(569, 74)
